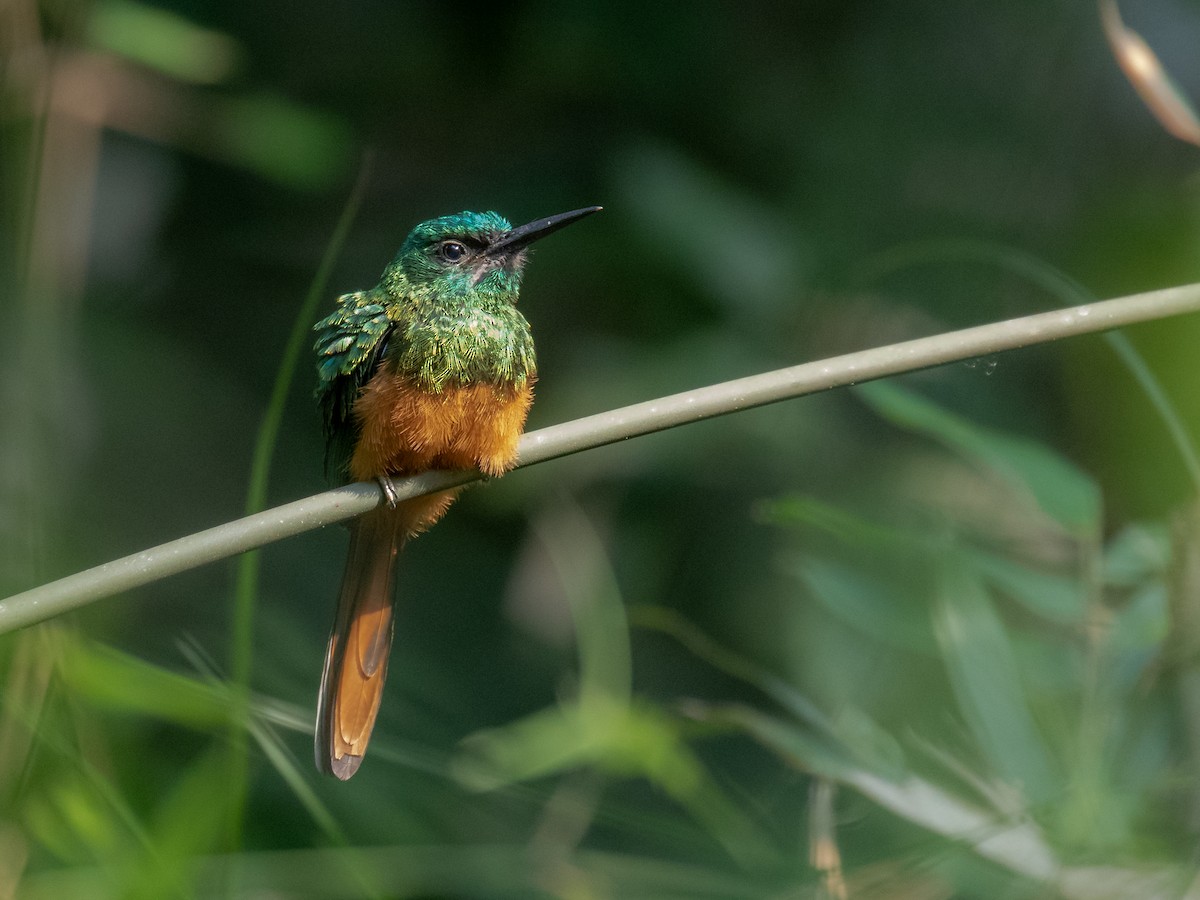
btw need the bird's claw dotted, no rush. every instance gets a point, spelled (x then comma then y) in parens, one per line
(389, 491)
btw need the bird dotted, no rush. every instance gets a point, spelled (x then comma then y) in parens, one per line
(433, 368)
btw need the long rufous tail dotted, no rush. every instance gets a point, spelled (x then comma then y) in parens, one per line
(357, 657)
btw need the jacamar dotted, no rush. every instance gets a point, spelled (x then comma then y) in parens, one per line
(433, 368)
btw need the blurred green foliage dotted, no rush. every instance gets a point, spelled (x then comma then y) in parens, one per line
(935, 637)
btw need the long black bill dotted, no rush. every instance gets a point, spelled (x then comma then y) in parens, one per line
(521, 237)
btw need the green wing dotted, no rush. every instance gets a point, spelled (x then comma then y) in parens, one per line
(350, 343)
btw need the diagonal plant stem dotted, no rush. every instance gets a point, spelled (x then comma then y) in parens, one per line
(49, 600)
(268, 432)
(246, 583)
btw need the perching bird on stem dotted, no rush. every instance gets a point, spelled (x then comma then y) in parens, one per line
(433, 368)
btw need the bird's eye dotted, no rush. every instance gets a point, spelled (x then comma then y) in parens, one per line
(451, 251)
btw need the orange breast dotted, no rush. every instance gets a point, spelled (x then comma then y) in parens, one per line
(405, 430)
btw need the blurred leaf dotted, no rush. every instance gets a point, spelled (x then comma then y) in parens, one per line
(1017, 845)
(27, 678)
(14, 855)
(297, 782)
(842, 524)
(986, 680)
(875, 600)
(696, 641)
(548, 742)
(603, 728)
(580, 561)
(733, 246)
(866, 604)
(1060, 489)
(72, 821)
(1061, 599)
(163, 40)
(117, 681)
(431, 869)
(1175, 421)
(867, 744)
(83, 815)
(289, 143)
(851, 732)
(625, 741)
(1137, 552)
(1143, 624)
(1065, 290)
(798, 745)
(188, 825)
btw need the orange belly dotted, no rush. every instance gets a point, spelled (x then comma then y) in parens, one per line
(405, 430)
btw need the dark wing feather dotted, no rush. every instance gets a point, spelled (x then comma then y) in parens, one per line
(351, 343)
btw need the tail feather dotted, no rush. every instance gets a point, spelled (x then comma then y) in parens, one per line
(356, 659)
(357, 656)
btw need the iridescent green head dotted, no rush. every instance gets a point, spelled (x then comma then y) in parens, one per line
(467, 253)
(443, 314)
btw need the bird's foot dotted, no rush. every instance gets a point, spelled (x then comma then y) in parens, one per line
(389, 491)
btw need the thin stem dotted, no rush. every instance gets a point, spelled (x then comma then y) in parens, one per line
(246, 580)
(264, 447)
(343, 503)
